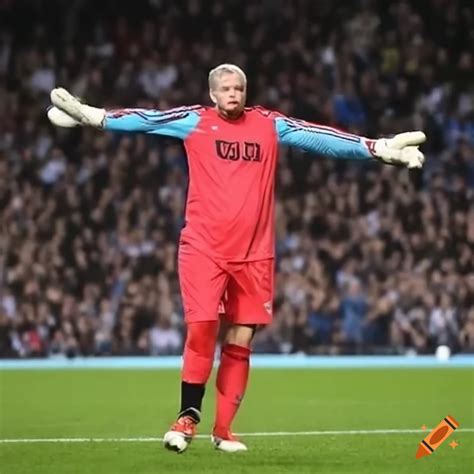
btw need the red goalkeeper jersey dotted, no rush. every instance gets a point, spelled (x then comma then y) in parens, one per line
(231, 193)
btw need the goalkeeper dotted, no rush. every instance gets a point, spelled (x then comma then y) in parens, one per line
(227, 244)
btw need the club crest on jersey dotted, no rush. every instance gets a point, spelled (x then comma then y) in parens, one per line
(247, 151)
(268, 307)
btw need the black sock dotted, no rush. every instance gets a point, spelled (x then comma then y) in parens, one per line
(191, 400)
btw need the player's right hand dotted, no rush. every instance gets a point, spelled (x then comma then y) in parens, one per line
(61, 119)
(81, 113)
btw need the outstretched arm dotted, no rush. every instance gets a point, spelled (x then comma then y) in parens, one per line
(177, 123)
(332, 143)
(69, 112)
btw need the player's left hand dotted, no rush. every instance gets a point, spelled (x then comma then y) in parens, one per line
(402, 149)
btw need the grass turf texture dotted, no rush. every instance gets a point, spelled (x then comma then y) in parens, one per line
(122, 404)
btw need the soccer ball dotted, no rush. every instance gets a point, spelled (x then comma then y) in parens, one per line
(443, 353)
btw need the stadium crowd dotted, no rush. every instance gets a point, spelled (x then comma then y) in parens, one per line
(369, 257)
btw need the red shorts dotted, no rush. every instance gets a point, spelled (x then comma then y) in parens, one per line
(244, 288)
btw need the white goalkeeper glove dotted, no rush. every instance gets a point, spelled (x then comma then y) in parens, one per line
(402, 149)
(68, 111)
(61, 119)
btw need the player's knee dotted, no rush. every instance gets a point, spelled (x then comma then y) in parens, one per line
(201, 338)
(240, 334)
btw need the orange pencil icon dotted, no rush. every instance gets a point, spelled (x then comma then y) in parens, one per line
(437, 436)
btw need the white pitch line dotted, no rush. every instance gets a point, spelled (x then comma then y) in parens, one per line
(258, 434)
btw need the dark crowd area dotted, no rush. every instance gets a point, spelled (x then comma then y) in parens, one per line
(370, 258)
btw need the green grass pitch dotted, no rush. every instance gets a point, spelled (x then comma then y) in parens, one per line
(142, 403)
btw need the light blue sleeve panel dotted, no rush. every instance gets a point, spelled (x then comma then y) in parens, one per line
(177, 123)
(325, 141)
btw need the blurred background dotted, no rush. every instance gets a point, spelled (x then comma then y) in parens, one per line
(370, 258)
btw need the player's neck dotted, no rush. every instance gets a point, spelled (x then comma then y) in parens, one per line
(229, 116)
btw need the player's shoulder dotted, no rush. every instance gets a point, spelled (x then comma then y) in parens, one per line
(260, 111)
(196, 108)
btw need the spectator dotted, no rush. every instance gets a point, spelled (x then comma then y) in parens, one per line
(443, 324)
(354, 311)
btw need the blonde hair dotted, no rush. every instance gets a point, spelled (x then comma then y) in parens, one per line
(225, 69)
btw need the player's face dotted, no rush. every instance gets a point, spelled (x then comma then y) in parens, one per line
(229, 94)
